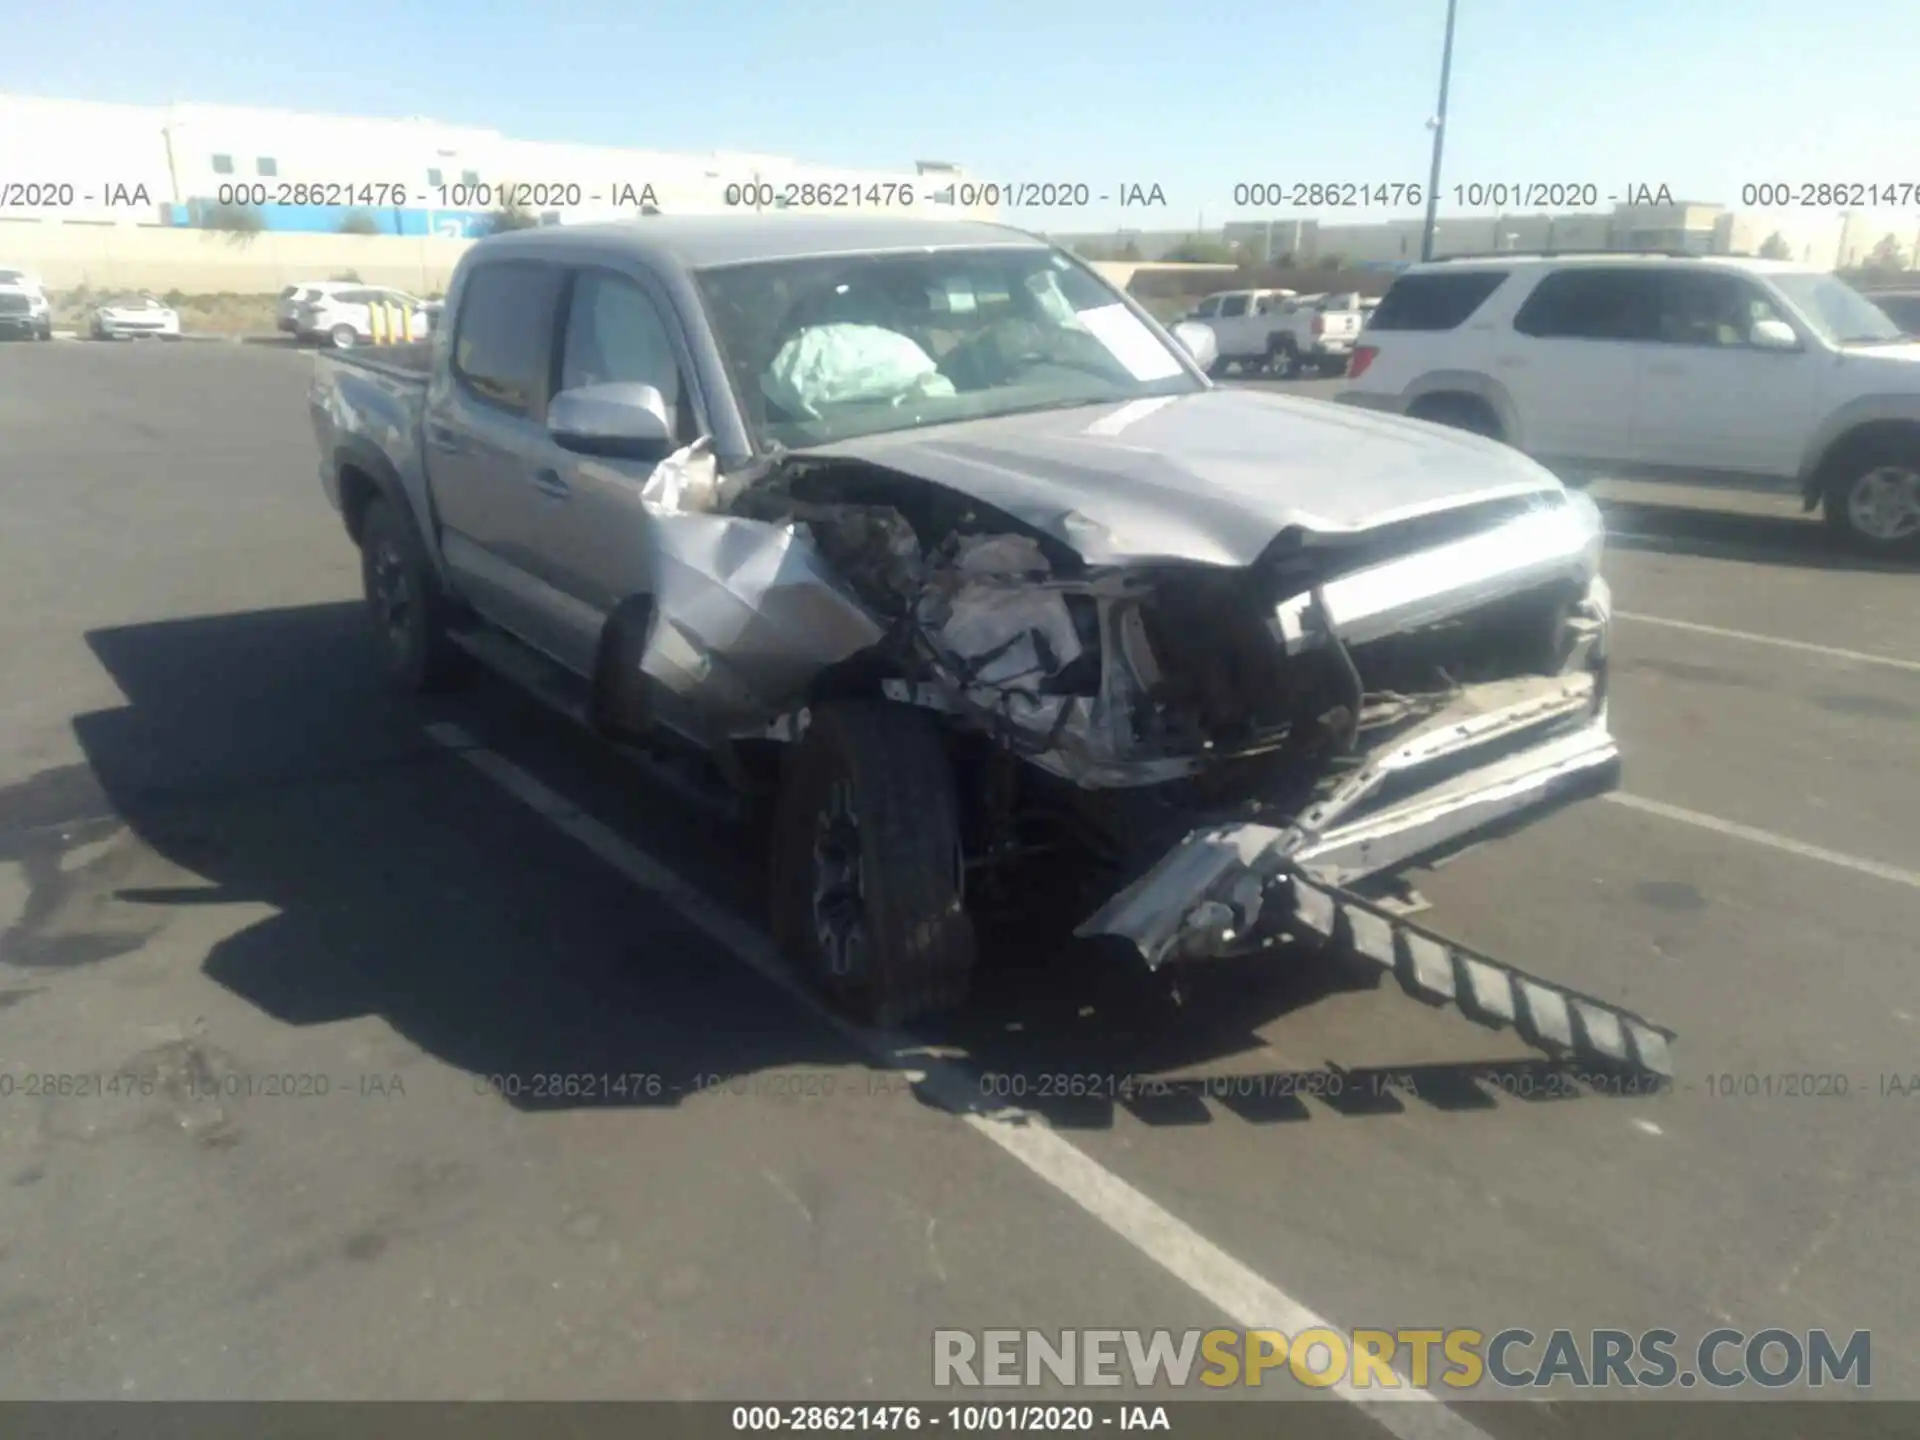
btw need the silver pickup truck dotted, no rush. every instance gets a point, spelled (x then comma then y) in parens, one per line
(927, 536)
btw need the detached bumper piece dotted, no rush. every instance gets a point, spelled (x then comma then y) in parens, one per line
(1440, 971)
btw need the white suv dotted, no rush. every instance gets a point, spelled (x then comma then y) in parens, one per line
(1707, 368)
(344, 318)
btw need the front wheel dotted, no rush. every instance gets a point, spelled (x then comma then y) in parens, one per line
(867, 869)
(344, 337)
(1874, 503)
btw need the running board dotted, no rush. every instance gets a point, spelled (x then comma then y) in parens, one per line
(566, 694)
(1549, 1016)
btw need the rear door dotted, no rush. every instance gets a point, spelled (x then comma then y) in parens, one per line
(488, 456)
(1571, 361)
(617, 328)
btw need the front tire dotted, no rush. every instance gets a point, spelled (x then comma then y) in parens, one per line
(344, 337)
(1873, 503)
(867, 870)
(409, 609)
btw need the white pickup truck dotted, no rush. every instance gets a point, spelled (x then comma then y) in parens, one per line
(1317, 333)
(1244, 323)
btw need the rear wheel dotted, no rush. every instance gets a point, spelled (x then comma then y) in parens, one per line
(409, 609)
(344, 337)
(1873, 502)
(868, 888)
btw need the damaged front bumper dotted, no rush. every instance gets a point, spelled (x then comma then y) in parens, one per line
(1504, 752)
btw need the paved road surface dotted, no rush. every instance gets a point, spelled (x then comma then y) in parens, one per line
(226, 856)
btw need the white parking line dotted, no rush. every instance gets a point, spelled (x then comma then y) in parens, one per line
(1860, 657)
(1878, 869)
(1162, 1237)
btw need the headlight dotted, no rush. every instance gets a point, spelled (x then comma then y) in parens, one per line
(1587, 514)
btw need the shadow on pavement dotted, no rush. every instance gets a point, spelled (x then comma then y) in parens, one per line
(259, 752)
(1801, 540)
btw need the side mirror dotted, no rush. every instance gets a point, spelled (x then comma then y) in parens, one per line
(1773, 335)
(622, 422)
(1198, 341)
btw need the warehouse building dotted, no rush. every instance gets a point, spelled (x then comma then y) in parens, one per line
(1827, 239)
(181, 165)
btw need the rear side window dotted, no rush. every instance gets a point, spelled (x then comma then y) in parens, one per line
(1903, 310)
(1593, 303)
(501, 346)
(1440, 300)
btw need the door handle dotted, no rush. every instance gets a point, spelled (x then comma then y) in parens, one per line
(444, 438)
(548, 482)
(1666, 367)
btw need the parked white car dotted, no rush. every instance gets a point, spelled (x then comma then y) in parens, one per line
(303, 293)
(24, 311)
(344, 318)
(1714, 369)
(133, 315)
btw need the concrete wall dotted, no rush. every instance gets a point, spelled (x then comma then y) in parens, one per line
(1120, 273)
(202, 262)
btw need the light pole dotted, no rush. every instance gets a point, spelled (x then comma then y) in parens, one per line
(1439, 126)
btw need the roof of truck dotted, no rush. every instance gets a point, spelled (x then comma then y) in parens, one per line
(698, 242)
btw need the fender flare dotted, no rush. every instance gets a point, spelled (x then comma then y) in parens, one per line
(1848, 426)
(363, 472)
(1484, 388)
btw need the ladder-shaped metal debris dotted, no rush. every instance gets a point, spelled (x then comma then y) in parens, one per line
(1430, 967)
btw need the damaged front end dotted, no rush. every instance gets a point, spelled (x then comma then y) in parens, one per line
(1236, 748)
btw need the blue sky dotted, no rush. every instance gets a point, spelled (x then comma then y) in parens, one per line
(1699, 95)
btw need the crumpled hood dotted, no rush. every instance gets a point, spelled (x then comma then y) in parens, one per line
(1211, 477)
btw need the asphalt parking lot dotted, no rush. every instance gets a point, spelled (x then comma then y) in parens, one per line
(230, 864)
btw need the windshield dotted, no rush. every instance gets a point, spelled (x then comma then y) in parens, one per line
(1841, 314)
(823, 348)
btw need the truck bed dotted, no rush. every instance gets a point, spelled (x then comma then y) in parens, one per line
(411, 359)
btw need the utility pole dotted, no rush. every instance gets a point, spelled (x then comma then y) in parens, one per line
(1439, 123)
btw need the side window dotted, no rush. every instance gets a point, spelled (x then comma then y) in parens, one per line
(501, 340)
(1706, 308)
(1233, 305)
(1207, 307)
(223, 164)
(615, 334)
(1436, 301)
(1591, 303)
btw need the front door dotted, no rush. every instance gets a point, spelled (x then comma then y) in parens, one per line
(1714, 405)
(595, 545)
